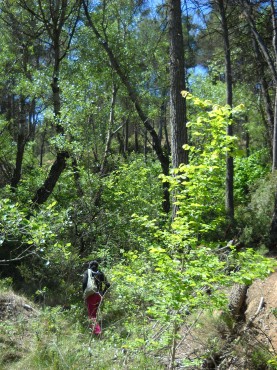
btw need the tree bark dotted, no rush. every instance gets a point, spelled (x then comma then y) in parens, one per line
(274, 43)
(177, 103)
(178, 117)
(21, 141)
(47, 188)
(126, 136)
(109, 133)
(272, 64)
(229, 196)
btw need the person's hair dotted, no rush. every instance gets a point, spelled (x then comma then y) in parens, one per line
(93, 265)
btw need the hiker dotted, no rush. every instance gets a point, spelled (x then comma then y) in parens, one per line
(94, 290)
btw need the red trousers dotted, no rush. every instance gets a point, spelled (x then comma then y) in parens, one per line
(93, 302)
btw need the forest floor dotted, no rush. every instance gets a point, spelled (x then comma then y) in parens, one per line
(206, 341)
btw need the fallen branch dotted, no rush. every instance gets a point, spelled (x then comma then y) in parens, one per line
(252, 318)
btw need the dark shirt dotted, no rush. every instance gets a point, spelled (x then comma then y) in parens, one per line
(100, 279)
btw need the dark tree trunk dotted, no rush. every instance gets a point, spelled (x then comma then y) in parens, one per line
(47, 188)
(145, 144)
(109, 133)
(19, 159)
(136, 139)
(177, 103)
(177, 85)
(126, 137)
(229, 196)
(274, 43)
(59, 165)
(21, 141)
(272, 244)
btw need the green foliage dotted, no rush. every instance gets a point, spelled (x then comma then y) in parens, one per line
(272, 363)
(32, 229)
(261, 358)
(255, 217)
(133, 188)
(162, 271)
(200, 185)
(6, 284)
(248, 171)
(213, 88)
(180, 270)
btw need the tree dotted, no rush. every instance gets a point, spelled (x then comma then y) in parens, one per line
(269, 57)
(229, 100)
(134, 97)
(177, 104)
(59, 20)
(18, 103)
(178, 118)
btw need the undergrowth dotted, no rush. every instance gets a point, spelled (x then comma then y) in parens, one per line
(56, 339)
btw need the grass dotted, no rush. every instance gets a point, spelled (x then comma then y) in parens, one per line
(54, 339)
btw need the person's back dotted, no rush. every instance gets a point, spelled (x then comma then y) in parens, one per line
(93, 298)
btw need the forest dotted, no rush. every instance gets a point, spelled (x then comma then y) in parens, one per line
(143, 135)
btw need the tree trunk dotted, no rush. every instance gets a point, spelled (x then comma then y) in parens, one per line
(274, 43)
(126, 136)
(145, 144)
(161, 121)
(136, 144)
(109, 133)
(273, 228)
(177, 103)
(177, 84)
(47, 188)
(229, 196)
(59, 165)
(21, 141)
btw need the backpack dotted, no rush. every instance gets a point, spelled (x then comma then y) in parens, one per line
(91, 285)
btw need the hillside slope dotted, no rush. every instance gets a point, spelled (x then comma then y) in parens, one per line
(221, 343)
(56, 340)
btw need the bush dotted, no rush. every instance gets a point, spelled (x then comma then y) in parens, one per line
(256, 216)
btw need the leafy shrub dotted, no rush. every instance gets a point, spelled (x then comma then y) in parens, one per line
(255, 218)
(248, 171)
